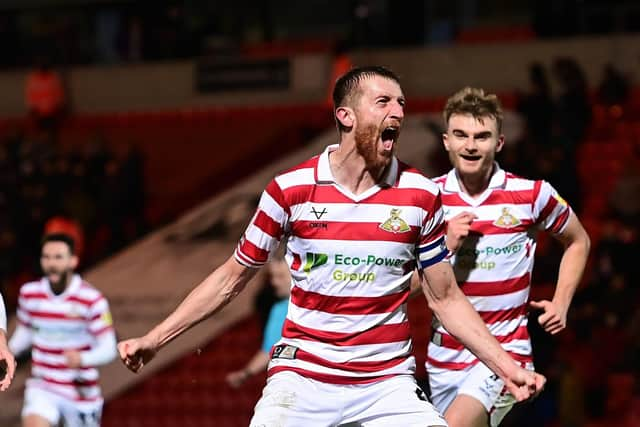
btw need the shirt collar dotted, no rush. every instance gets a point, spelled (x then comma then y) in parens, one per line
(498, 179)
(324, 175)
(74, 284)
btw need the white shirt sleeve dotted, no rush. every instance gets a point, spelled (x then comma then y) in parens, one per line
(3, 315)
(103, 352)
(20, 340)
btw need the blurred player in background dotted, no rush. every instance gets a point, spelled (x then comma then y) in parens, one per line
(7, 362)
(493, 217)
(67, 325)
(358, 221)
(280, 279)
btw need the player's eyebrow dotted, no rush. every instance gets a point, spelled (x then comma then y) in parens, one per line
(482, 134)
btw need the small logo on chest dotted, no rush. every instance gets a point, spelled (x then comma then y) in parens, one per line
(507, 220)
(318, 214)
(395, 224)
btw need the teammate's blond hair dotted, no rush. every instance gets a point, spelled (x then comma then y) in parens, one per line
(475, 102)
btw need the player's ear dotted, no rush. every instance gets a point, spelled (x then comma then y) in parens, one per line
(445, 141)
(500, 143)
(74, 261)
(345, 116)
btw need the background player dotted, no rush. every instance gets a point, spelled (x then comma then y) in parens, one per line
(357, 221)
(67, 324)
(493, 217)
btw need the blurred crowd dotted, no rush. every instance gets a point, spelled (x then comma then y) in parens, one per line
(592, 366)
(94, 192)
(114, 31)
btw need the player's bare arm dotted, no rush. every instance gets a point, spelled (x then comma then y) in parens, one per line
(576, 251)
(6, 359)
(461, 320)
(210, 296)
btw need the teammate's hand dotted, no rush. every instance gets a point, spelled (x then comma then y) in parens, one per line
(7, 363)
(236, 378)
(74, 361)
(137, 352)
(525, 384)
(458, 228)
(553, 319)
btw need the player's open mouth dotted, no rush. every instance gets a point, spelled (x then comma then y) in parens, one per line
(470, 157)
(389, 136)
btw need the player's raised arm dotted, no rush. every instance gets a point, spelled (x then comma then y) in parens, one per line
(461, 320)
(210, 296)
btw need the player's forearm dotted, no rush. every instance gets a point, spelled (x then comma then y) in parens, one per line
(209, 297)
(20, 341)
(462, 321)
(258, 363)
(103, 352)
(571, 269)
(3, 339)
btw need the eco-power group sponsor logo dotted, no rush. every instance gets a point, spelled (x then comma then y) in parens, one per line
(342, 262)
(467, 258)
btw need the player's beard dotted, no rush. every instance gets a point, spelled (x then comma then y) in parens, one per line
(367, 147)
(59, 285)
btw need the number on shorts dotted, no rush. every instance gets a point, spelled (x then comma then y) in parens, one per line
(89, 419)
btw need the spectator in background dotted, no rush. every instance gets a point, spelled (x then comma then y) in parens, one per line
(280, 279)
(123, 196)
(340, 64)
(625, 197)
(45, 96)
(614, 88)
(536, 106)
(573, 108)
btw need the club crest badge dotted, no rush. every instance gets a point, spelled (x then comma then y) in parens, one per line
(395, 224)
(506, 220)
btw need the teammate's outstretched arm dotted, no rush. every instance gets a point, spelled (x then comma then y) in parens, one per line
(460, 319)
(576, 251)
(5, 355)
(8, 360)
(210, 296)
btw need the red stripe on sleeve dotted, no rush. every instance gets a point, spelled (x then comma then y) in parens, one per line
(251, 251)
(265, 223)
(560, 221)
(548, 208)
(274, 190)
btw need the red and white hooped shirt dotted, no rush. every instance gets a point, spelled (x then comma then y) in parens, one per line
(351, 257)
(73, 320)
(494, 265)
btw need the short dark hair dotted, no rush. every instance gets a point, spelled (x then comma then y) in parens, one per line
(347, 86)
(60, 237)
